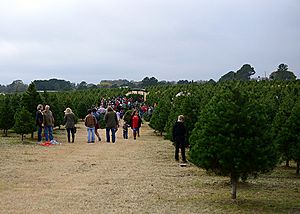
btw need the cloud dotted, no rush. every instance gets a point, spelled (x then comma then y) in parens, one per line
(129, 39)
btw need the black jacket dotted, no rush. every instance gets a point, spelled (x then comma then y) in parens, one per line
(179, 132)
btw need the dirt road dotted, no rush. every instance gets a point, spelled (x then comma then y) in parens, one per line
(126, 177)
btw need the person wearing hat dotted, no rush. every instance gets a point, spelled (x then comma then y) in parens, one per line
(69, 121)
(179, 138)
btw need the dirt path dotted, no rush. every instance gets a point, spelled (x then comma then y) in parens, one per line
(126, 177)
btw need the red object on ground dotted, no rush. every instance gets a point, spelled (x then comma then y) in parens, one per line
(47, 143)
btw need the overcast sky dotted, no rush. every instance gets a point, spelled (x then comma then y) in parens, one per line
(94, 40)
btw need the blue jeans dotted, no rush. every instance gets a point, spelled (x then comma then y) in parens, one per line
(48, 133)
(40, 130)
(91, 134)
(113, 134)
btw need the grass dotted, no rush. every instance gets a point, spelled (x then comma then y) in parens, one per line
(196, 190)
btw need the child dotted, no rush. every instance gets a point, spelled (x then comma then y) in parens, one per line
(136, 122)
(125, 130)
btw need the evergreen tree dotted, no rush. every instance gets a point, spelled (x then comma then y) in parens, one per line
(24, 123)
(30, 99)
(160, 115)
(244, 73)
(282, 73)
(281, 129)
(229, 76)
(82, 108)
(231, 137)
(6, 114)
(293, 124)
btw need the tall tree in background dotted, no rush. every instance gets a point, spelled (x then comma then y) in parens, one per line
(282, 73)
(231, 137)
(16, 86)
(30, 99)
(229, 76)
(244, 73)
(146, 82)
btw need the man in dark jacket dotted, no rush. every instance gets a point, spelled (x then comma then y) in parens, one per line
(112, 124)
(179, 138)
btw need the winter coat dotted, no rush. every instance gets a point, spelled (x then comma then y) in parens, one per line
(69, 120)
(136, 121)
(39, 118)
(90, 121)
(111, 119)
(179, 133)
(48, 118)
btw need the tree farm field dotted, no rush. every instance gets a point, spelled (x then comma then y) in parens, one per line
(128, 177)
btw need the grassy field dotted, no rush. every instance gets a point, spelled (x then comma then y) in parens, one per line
(128, 177)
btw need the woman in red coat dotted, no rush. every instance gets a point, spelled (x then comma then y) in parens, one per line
(135, 123)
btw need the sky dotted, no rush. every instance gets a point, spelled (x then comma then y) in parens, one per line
(94, 40)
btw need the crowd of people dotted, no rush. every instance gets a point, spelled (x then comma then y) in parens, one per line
(112, 112)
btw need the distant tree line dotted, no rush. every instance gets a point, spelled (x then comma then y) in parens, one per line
(243, 74)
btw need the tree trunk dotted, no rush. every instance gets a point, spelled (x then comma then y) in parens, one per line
(22, 137)
(287, 163)
(32, 135)
(298, 166)
(5, 132)
(234, 181)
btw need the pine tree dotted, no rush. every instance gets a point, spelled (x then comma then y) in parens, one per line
(24, 123)
(231, 137)
(281, 130)
(160, 115)
(30, 99)
(293, 125)
(6, 114)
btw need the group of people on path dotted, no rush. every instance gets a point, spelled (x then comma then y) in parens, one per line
(112, 124)
(45, 120)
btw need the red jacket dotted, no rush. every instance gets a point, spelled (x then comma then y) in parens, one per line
(136, 122)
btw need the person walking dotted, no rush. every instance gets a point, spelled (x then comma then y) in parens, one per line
(125, 130)
(112, 124)
(69, 122)
(178, 133)
(97, 116)
(90, 123)
(39, 121)
(135, 123)
(48, 121)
